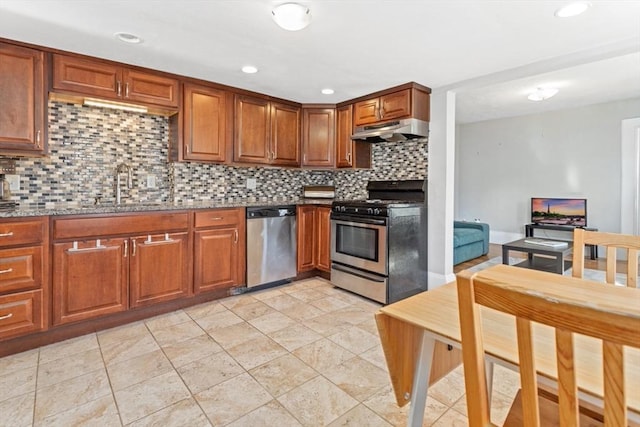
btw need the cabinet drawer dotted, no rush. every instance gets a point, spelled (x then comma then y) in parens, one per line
(219, 217)
(21, 232)
(87, 227)
(20, 313)
(20, 268)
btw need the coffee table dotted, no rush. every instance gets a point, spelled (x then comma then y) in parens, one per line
(539, 257)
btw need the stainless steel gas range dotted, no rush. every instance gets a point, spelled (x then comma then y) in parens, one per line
(379, 245)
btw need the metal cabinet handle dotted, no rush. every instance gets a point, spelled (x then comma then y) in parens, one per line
(186, 149)
(6, 316)
(349, 157)
(126, 249)
(151, 242)
(235, 236)
(126, 90)
(7, 234)
(216, 218)
(76, 249)
(119, 88)
(133, 252)
(8, 270)
(38, 139)
(381, 112)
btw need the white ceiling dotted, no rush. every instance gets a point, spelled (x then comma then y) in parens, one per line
(489, 51)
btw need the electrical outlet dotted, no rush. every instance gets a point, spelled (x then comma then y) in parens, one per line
(251, 183)
(14, 182)
(151, 181)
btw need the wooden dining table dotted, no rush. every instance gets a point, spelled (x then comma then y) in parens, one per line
(410, 328)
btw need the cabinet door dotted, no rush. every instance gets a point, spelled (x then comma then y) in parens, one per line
(344, 144)
(89, 279)
(251, 130)
(395, 105)
(323, 230)
(205, 120)
(285, 135)
(21, 313)
(217, 259)
(149, 88)
(87, 77)
(365, 112)
(306, 219)
(21, 269)
(319, 137)
(158, 268)
(22, 100)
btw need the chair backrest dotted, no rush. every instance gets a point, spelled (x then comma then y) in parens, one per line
(611, 242)
(611, 314)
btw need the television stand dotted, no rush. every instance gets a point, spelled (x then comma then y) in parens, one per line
(529, 232)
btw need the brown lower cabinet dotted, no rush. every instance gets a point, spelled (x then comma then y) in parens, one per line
(314, 238)
(110, 264)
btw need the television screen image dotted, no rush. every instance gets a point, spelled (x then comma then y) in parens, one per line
(569, 212)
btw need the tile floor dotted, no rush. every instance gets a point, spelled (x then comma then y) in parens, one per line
(304, 354)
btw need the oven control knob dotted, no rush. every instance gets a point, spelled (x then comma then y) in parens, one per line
(376, 211)
(343, 208)
(370, 211)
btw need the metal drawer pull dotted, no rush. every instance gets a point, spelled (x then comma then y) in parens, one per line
(76, 249)
(8, 270)
(8, 234)
(126, 248)
(166, 239)
(6, 316)
(216, 218)
(235, 239)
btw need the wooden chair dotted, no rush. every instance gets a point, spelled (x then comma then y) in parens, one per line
(611, 314)
(612, 242)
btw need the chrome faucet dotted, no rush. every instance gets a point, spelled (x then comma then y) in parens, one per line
(123, 168)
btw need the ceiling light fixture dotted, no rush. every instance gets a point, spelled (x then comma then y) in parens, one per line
(91, 102)
(291, 16)
(540, 94)
(128, 38)
(249, 69)
(572, 9)
(327, 91)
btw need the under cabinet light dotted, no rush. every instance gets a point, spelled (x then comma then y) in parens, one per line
(115, 105)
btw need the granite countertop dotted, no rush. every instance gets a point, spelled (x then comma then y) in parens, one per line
(76, 209)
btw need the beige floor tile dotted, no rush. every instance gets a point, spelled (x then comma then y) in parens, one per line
(360, 416)
(203, 310)
(307, 295)
(448, 389)
(110, 337)
(17, 411)
(327, 324)
(232, 399)
(266, 294)
(166, 320)
(237, 301)
(294, 336)
(269, 415)
(191, 350)
(147, 397)
(256, 352)
(272, 322)
(72, 393)
(67, 348)
(69, 367)
(384, 404)
(253, 310)
(181, 414)
(317, 402)
(19, 361)
(235, 334)
(177, 333)
(283, 374)
(129, 348)
(209, 371)
(505, 381)
(280, 302)
(355, 340)
(500, 406)
(302, 311)
(369, 326)
(323, 355)
(451, 418)
(16, 383)
(219, 319)
(376, 356)
(100, 412)
(138, 369)
(353, 315)
(359, 378)
(329, 303)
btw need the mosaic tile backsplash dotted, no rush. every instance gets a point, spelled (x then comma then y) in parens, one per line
(86, 144)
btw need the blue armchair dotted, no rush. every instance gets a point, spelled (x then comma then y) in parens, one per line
(470, 240)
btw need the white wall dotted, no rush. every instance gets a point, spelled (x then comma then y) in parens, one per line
(501, 164)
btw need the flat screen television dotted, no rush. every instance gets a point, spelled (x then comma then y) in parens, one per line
(552, 211)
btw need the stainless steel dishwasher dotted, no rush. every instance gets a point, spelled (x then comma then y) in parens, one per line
(271, 244)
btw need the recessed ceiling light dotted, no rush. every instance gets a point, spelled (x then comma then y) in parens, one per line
(249, 69)
(540, 94)
(291, 16)
(327, 91)
(572, 9)
(128, 38)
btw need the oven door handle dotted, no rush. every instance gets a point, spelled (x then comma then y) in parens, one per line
(351, 220)
(358, 273)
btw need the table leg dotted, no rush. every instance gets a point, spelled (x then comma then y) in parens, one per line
(421, 381)
(559, 264)
(505, 256)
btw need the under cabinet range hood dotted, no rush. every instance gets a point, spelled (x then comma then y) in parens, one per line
(397, 130)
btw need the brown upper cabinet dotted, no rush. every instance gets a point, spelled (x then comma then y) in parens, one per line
(23, 129)
(410, 102)
(318, 137)
(349, 153)
(203, 127)
(112, 81)
(266, 132)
